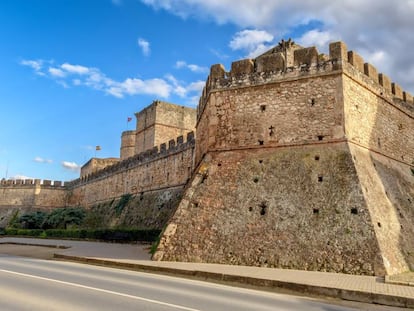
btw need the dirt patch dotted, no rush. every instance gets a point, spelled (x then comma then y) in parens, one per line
(40, 252)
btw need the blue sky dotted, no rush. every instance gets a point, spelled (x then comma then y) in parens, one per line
(73, 71)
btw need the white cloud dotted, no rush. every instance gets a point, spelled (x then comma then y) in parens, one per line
(36, 65)
(145, 46)
(380, 30)
(76, 69)
(252, 41)
(318, 38)
(42, 160)
(192, 67)
(72, 166)
(56, 72)
(134, 86)
(183, 89)
(78, 75)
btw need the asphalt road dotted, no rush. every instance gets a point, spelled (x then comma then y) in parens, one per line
(35, 284)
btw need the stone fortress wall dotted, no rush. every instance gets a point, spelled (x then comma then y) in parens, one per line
(306, 158)
(161, 171)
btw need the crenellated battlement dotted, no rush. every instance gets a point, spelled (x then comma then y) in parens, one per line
(32, 183)
(289, 61)
(158, 152)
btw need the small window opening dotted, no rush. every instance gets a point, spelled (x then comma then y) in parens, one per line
(256, 180)
(261, 142)
(262, 108)
(218, 164)
(312, 101)
(260, 161)
(250, 208)
(316, 158)
(141, 197)
(320, 137)
(320, 178)
(354, 211)
(316, 210)
(379, 224)
(271, 130)
(263, 208)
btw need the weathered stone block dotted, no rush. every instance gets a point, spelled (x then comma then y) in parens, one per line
(180, 140)
(57, 183)
(356, 60)
(407, 97)
(338, 50)
(245, 66)
(371, 72)
(397, 90)
(171, 144)
(385, 81)
(163, 148)
(217, 71)
(306, 56)
(190, 136)
(271, 62)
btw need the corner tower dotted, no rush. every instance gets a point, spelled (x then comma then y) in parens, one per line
(308, 159)
(161, 122)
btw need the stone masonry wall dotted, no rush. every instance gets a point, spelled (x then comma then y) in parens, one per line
(376, 121)
(293, 207)
(161, 122)
(289, 112)
(159, 168)
(29, 195)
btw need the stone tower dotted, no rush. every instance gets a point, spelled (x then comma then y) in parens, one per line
(161, 122)
(308, 159)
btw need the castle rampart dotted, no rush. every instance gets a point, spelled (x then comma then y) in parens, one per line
(159, 168)
(307, 159)
(269, 76)
(44, 194)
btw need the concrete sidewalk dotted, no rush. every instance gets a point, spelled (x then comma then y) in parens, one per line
(344, 286)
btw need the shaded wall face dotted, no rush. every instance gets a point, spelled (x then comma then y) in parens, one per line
(376, 124)
(290, 112)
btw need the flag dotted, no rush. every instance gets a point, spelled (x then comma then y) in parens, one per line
(129, 119)
(98, 148)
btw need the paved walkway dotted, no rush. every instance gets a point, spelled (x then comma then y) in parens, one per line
(349, 287)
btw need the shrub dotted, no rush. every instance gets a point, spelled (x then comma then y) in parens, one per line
(112, 235)
(123, 201)
(63, 218)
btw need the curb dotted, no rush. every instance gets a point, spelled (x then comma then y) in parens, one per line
(351, 295)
